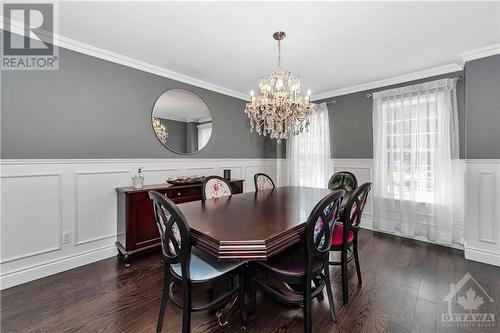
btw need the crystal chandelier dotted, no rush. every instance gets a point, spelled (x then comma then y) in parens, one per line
(160, 130)
(279, 110)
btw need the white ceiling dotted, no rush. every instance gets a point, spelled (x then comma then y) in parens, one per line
(181, 105)
(332, 45)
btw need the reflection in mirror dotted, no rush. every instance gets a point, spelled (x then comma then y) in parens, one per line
(181, 121)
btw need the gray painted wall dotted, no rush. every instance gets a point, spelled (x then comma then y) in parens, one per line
(351, 120)
(482, 105)
(177, 134)
(182, 136)
(91, 108)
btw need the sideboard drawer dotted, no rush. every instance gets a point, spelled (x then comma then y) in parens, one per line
(183, 192)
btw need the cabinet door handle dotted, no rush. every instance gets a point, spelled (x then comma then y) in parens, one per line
(178, 194)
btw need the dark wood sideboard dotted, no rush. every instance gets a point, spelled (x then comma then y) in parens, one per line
(137, 232)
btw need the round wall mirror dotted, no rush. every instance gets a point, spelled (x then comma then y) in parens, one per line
(181, 121)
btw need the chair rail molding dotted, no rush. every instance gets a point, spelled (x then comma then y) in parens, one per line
(77, 199)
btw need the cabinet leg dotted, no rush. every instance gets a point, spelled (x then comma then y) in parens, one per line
(126, 260)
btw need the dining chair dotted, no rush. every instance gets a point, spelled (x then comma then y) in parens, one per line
(343, 180)
(263, 182)
(216, 187)
(190, 267)
(345, 234)
(303, 264)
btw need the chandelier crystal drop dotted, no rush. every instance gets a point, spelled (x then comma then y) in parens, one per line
(160, 129)
(279, 110)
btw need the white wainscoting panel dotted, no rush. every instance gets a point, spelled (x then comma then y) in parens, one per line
(78, 198)
(236, 171)
(158, 175)
(201, 171)
(31, 215)
(251, 170)
(94, 194)
(482, 211)
(363, 170)
(487, 207)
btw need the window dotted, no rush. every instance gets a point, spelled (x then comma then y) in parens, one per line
(416, 174)
(204, 132)
(410, 135)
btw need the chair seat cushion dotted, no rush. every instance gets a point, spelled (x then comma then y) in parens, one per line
(338, 231)
(203, 266)
(291, 263)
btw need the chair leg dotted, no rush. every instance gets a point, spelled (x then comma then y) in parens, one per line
(164, 298)
(356, 259)
(329, 291)
(307, 305)
(241, 296)
(186, 307)
(343, 264)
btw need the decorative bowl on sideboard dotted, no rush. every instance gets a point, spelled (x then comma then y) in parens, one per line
(186, 180)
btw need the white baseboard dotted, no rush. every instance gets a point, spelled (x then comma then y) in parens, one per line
(38, 271)
(369, 226)
(486, 257)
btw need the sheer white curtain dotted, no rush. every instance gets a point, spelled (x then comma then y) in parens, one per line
(204, 132)
(417, 176)
(308, 154)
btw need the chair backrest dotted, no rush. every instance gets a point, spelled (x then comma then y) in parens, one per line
(174, 232)
(354, 209)
(343, 180)
(263, 182)
(216, 187)
(320, 225)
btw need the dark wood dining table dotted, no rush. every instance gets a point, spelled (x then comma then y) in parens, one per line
(251, 226)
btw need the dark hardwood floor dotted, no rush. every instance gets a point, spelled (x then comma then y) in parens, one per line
(404, 283)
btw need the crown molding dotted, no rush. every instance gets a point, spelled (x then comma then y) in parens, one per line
(462, 59)
(482, 52)
(117, 58)
(96, 52)
(450, 68)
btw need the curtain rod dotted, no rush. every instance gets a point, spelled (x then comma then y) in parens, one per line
(460, 77)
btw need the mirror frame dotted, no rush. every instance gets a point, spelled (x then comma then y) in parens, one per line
(156, 136)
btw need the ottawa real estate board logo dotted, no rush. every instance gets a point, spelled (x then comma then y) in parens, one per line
(28, 37)
(469, 305)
